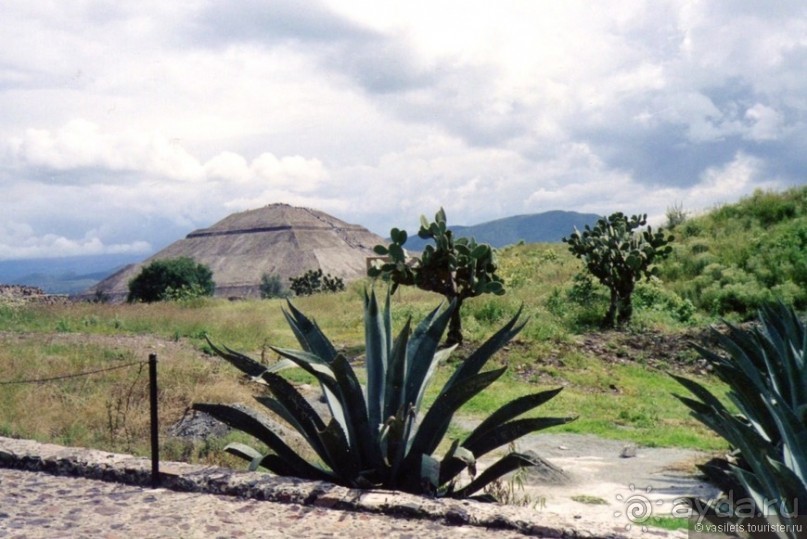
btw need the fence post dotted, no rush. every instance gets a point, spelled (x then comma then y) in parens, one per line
(155, 446)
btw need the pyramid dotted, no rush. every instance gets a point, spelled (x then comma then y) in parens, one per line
(277, 239)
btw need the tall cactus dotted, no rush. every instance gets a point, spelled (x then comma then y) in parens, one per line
(457, 268)
(618, 256)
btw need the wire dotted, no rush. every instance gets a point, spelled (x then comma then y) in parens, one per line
(67, 376)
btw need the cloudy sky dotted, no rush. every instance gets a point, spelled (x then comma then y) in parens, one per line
(125, 125)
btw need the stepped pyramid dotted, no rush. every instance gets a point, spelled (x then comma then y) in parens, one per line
(277, 239)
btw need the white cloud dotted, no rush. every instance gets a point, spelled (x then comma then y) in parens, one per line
(125, 124)
(19, 241)
(290, 172)
(81, 144)
(766, 122)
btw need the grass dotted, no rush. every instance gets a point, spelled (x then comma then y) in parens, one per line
(109, 410)
(617, 391)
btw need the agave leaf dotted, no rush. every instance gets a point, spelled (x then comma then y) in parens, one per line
(792, 488)
(505, 465)
(439, 358)
(279, 466)
(699, 391)
(510, 411)
(324, 374)
(292, 407)
(499, 436)
(435, 422)
(794, 438)
(395, 395)
(505, 433)
(243, 451)
(280, 410)
(308, 334)
(256, 426)
(245, 364)
(430, 471)
(423, 354)
(299, 357)
(474, 363)
(377, 352)
(343, 460)
(362, 436)
(281, 365)
(422, 351)
(399, 436)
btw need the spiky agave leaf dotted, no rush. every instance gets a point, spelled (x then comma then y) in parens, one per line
(258, 427)
(308, 334)
(506, 464)
(765, 373)
(378, 346)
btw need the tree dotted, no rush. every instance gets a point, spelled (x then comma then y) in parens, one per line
(171, 278)
(456, 268)
(618, 256)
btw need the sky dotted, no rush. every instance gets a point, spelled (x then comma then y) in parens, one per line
(126, 125)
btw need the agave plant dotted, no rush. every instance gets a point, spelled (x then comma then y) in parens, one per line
(765, 369)
(376, 436)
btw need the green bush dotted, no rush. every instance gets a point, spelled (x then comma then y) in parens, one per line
(736, 258)
(272, 287)
(173, 278)
(651, 295)
(765, 369)
(315, 282)
(377, 438)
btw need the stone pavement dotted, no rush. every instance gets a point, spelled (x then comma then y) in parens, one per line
(40, 505)
(51, 491)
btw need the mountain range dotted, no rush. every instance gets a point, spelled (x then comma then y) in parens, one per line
(546, 227)
(72, 275)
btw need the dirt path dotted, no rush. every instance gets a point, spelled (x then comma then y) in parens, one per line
(610, 488)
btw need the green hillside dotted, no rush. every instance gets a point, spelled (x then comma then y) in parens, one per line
(736, 257)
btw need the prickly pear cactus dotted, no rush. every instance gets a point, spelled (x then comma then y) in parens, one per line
(619, 256)
(457, 268)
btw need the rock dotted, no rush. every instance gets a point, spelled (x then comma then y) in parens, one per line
(198, 426)
(629, 451)
(544, 472)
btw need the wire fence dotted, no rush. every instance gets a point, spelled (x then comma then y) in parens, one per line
(69, 376)
(152, 363)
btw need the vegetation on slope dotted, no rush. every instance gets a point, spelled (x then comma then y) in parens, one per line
(734, 259)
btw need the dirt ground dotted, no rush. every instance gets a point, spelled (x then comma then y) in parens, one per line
(608, 487)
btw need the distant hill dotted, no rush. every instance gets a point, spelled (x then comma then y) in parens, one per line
(67, 275)
(546, 227)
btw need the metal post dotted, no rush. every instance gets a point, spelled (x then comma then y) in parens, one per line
(155, 446)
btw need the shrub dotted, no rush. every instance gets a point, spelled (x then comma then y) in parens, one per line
(765, 369)
(651, 296)
(171, 279)
(315, 282)
(378, 438)
(272, 287)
